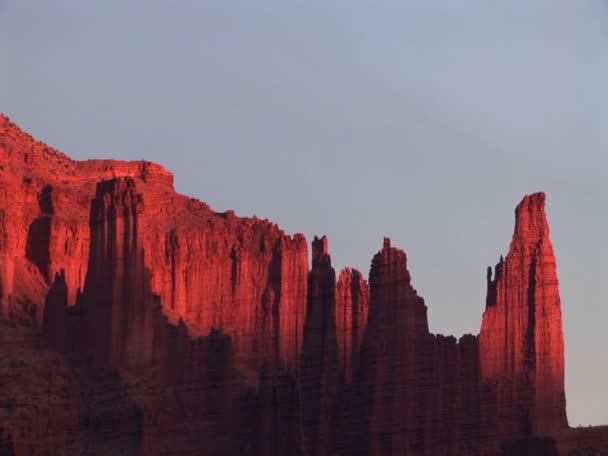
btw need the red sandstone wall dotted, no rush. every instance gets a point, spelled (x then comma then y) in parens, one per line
(211, 335)
(521, 340)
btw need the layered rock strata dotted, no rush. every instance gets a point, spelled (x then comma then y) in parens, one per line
(138, 321)
(352, 303)
(318, 372)
(521, 340)
(422, 391)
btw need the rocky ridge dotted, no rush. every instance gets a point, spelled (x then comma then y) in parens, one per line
(169, 328)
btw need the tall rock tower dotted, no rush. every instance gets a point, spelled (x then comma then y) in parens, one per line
(521, 341)
(319, 361)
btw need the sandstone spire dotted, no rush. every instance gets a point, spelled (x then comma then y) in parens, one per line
(213, 337)
(394, 341)
(521, 340)
(318, 368)
(352, 302)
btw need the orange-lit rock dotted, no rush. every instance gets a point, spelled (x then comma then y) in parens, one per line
(44, 210)
(212, 270)
(352, 302)
(138, 321)
(521, 341)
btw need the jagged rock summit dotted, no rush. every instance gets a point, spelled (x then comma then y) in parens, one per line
(137, 321)
(521, 339)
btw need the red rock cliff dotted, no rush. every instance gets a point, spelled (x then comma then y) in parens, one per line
(211, 335)
(521, 341)
(243, 276)
(44, 210)
(120, 313)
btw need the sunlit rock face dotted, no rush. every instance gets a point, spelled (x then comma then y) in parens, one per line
(521, 340)
(138, 321)
(45, 200)
(211, 270)
(352, 303)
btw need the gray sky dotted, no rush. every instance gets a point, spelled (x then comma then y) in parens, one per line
(425, 121)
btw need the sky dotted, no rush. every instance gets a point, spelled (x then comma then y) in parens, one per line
(425, 121)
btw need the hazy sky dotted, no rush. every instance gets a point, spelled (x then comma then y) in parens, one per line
(425, 121)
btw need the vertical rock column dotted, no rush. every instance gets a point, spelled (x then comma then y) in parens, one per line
(397, 328)
(117, 301)
(55, 309)
(318, 366)
(521, 340)
(352, 302)
(292, 292)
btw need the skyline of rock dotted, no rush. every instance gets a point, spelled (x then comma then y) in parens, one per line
(152, 293)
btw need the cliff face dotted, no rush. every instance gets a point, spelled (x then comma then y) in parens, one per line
(119, 314)
(240, 275)
(243, 276)
(138, 321)
(521, 339)
(211, 271)
(45, 200)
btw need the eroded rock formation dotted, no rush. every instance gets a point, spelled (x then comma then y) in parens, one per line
(423, 391)
(392, 346)
(138, 321)
(352, 303)
(318, 372)
(521, 339)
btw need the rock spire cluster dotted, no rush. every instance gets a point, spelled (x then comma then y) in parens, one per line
(165, 327)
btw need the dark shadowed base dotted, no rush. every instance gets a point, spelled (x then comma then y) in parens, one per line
(531, 447)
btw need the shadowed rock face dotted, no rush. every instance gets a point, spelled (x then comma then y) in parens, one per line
(531, 447)
(396, 332)
(318, 372)
(211, 270)
(422, 392)
(138, 321)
